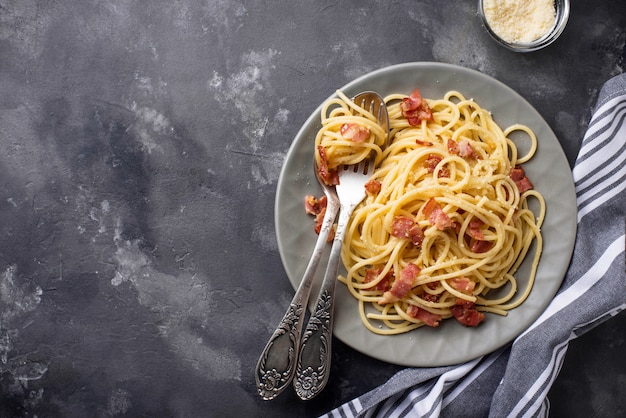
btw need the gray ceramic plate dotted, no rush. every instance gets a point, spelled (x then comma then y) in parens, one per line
(549, 171)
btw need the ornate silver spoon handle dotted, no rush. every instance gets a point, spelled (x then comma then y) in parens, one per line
(276, 366)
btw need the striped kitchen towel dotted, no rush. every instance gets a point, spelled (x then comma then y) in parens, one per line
(515, 380)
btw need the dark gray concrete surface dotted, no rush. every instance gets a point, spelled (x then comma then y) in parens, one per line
(141, 143)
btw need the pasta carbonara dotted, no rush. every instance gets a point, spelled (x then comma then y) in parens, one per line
(349, 135)
(447, 220)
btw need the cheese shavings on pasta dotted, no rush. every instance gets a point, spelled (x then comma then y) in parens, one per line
(445, 231)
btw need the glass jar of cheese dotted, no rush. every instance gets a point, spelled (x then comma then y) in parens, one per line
(524, 26)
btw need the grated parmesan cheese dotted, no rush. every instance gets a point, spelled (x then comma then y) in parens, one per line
(518, 21)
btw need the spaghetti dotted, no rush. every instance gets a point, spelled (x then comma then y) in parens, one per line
(449, 222)
(349, 134)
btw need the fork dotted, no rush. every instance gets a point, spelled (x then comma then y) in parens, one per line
(313, 366)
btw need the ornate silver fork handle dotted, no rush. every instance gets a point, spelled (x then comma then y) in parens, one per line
(276, 366)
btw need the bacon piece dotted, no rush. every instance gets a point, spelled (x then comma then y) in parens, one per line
(429, 318)
(317, 208)
(524, 185)
(403, 227)
(462, 284)
(330, 177)
(436, 215)
(432, 285)
(429, 297)
(453, 147)
(416, 235)
(465, 312)
(310, 205)
(466, 150)
(517, 173)
(423, 143)
(475, 222)
(480, 246)
(319, 220)
(402, 285)
(521, 181)
(474, 228)
(400, 226)
(372, 187)
(431, 162)
(354, 132)
(463, 149)
(384, 284)
(475, 233)
(415, 109)
(313, 205)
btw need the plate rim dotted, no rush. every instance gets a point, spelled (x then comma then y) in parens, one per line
(350, 89)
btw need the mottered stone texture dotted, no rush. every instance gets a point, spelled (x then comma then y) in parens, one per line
(140, 149)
